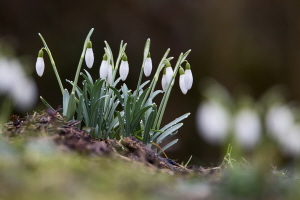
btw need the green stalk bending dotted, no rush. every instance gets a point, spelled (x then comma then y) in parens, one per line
(166, 96)
(52, 63)
(81, 60)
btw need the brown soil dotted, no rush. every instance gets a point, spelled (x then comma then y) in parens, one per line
(69, 138)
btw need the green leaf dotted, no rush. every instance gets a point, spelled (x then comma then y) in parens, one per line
(168, 145)
(121, 123)
(175, 121)
(149, 123)
(139, 115)
(118, 94)
(89, 76)
(127, 116)
(168, 132)
(46, 103)
(71, 107)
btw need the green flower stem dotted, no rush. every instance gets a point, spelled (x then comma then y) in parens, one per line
(121, 52)
(166, 96)
(52, 63)
(81, 60)
(156, 76)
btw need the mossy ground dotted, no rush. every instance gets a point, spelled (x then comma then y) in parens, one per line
(33, 165)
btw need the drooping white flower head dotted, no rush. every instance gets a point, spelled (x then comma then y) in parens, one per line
(164, 81)
(169, 72)
(14, 83)
(188, 76)
(124, 68)
(148, 66)
(291, 141)
(182, 84)
(109, 75)
(213, 121)
(89, 55)
(40, 64)
(279, 119)
(247, 128)
(103, 71)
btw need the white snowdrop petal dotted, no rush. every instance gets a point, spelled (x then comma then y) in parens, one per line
(182, 84)
(164, 83)
(124, 70)
(24, 95)
(89, 57)
(109, 75)
(247, 128)
(40, 66)
(188, 79)
(279, 119)
(169, 74)
(103, 71)
(213, 122)
(148, 67)
(291, 142)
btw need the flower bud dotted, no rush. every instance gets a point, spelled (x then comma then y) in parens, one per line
(40, 64)
(182, 84)
(164, 81)
(103, 71)
(124, 68)
(188, 76)
(89, 55)
(148, 66)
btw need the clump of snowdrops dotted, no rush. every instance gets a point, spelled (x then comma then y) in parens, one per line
(108, 108)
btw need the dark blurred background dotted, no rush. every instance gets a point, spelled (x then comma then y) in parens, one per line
(253, 43)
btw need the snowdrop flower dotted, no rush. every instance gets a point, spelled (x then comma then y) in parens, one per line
(247, 128)
(188, 76)
(148, 66)
(169, 72)
(104, 67)
(124, 68)
(89, 55)
(164, 81)
(279, 119)
(291, 141)
(213, 121)
(40, 64)
(23, 91)
(109, 75)
(182, 84)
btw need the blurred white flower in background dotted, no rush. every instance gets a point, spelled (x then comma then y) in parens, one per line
(247, 128)
(213, 121)
(16, 85)
(279, 119)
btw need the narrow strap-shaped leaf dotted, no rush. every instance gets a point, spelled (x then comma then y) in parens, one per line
(71, 107)
(121, 123)
(118, 94)
(168, 132)
(168, 145)
(127, 116)
(85, 113)
(88, 81)
(46, 103)
(146, 136)
(175, 121)
(154, 94)
(78, 90)
(139, 115)
(138, 105)
(89, 76)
